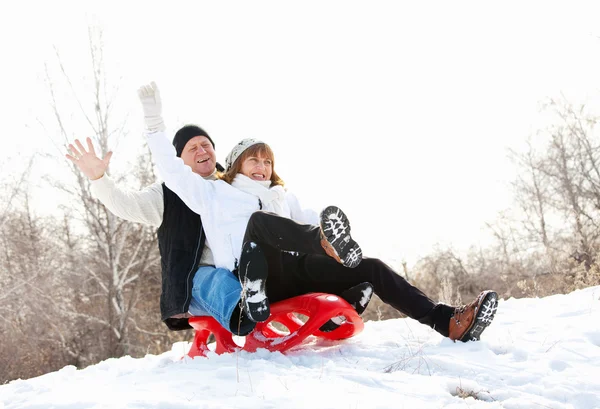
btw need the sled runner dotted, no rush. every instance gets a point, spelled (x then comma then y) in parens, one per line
(318, 307)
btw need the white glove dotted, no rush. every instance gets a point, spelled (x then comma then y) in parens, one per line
(152, 107)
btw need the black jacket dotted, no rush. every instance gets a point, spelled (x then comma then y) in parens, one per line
(180, 242)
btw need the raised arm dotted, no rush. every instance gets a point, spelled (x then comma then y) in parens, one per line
(189, 186)
(144, 206)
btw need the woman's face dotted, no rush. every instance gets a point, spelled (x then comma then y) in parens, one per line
(258, 168)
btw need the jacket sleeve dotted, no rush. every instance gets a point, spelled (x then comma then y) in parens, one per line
(308, 216)
(189, 186)
(144, 206)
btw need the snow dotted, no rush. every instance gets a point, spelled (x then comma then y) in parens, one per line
(538, 353)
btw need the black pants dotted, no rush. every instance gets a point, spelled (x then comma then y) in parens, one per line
(299, 265)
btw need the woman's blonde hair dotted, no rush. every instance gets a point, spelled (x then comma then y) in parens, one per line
(259, 149)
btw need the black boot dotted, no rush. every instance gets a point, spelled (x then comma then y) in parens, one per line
(358, 297)
(252, 274)
(240, 324)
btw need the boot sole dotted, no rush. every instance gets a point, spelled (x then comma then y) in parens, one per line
(353, 296)
(253, 278)
(335, 230)
(483, 318)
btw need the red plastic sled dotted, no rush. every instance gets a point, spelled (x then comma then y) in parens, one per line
(318, 307)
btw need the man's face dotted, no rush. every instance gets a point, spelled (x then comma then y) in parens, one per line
(198, 153)
(257, 168)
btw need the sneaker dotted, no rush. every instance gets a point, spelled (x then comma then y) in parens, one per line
(358, 297)
(468, 322)
(335, 237)
(252, 274)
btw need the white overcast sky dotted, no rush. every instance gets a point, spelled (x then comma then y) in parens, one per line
(399, 112)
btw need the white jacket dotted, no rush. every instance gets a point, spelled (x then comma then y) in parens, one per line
(224, 209)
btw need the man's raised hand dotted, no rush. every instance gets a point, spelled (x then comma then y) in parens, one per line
(152, 106)
(87, 161)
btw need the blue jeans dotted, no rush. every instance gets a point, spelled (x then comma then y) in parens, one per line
(216, 292)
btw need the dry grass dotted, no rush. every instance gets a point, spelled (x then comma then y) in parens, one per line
(466, 393)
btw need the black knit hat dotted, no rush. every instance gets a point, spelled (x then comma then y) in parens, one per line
(185, 134)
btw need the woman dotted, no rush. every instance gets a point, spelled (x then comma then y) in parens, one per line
(313, 271)
(226, 208)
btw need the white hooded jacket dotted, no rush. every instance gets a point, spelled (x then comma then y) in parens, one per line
(225, 210)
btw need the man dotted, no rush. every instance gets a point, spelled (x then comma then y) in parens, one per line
(180, 236)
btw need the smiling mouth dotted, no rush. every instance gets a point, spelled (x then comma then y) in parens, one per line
(202, 160)
(258, 176)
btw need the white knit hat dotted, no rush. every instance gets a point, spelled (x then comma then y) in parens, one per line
(238, 150)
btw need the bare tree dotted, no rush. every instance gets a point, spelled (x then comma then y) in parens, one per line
(80, 286)
(551, 240)
(30, 290)
(571, 164)
(533, 196)
(117, 256)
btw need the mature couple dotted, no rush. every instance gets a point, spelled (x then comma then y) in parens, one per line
(232, 240)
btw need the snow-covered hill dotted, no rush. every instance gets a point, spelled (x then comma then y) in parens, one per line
(538, 353)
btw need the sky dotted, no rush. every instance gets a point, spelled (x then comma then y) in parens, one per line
(399, 113)
(537, 353)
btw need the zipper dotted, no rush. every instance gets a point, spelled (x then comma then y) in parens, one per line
(194, 266)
